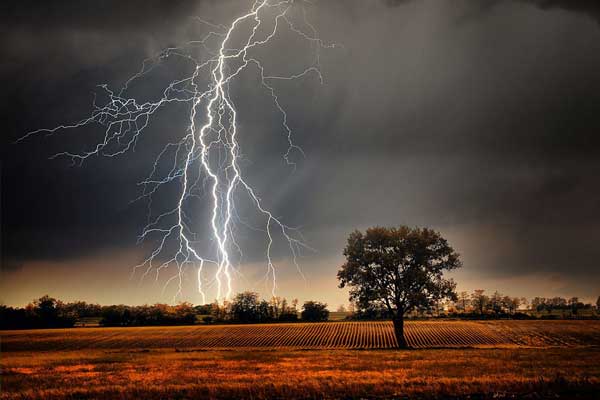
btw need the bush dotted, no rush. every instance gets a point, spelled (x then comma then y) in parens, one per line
(288, 316)
(314, 311)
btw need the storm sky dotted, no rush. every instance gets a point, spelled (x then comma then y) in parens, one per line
(480, 119)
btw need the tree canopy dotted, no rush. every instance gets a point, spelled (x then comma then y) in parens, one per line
(400, 269)
(314, 311)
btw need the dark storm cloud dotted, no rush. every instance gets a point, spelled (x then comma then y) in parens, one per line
(60, 51)
(128, 15)
(478, 127)
(489, 125)
(590, 7)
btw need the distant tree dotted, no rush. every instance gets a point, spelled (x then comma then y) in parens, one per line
(496, 303)
(341, 309)
(314, 311)
(81, 309)
(279, 310)
(245, 307)
(479, 300)
(116, 315)
(399, 268)
(351, 307)
(516, 302)
(185, 313)
(510, 304)
(372, 311)
(439, 307)
(289, 314)
(538, 304)
(523, 302)
(220, 312)
(558, 303)
(47, 312)
(156, 314)
(203, 309)
(46, 308)
(463, 300)
(598, 303)
(573, 301)
(276, 307)
(16, 318)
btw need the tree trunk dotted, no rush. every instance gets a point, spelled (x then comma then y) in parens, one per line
(399, 332)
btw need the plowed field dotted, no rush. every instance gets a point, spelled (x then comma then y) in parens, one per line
(342, 335)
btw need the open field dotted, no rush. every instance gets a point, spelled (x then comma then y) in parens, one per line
(491, 359)
(267, 374)
(344, 335)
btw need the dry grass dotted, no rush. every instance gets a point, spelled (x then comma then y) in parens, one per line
(161, 374)
(179, 362)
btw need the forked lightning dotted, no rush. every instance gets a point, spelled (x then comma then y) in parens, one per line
(207, 158)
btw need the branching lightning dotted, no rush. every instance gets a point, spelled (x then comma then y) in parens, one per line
(207, 158)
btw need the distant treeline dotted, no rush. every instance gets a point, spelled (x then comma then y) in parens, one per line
(44, 312)
(479, 305)
(246, 307)
(47, 312)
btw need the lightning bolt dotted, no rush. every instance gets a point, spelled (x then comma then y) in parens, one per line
(206, 160)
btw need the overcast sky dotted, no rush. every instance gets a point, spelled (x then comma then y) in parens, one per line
(480, 119)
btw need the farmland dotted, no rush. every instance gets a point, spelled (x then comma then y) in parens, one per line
(320, 360)
(341, 335)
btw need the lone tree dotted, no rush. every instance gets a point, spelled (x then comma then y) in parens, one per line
(398, 268)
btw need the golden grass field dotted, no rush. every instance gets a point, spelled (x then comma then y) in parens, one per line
(495, 359)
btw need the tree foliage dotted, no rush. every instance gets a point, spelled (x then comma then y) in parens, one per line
(45, 312)
(147, 315)
(480, 301)
(247, 307)
(400, 269)
(314, 311)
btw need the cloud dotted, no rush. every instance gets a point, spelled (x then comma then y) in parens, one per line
(486, 130)
(589, 7)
